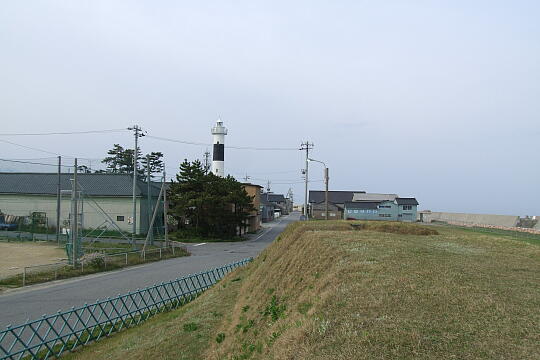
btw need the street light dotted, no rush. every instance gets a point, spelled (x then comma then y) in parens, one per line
(326, 185)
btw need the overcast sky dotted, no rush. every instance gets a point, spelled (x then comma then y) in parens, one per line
(439, 100)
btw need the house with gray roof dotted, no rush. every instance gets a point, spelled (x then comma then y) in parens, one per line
(267, 210)
(22, 194)
(282, 205)
(374, 197)
(336, 203)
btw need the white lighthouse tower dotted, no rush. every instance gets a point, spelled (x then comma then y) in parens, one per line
(218, 158)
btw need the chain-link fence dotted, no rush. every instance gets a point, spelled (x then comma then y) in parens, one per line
(53, 335)
(94, 260)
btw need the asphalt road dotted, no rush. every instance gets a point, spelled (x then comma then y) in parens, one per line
(16, 306)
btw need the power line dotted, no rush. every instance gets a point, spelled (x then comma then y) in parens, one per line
(63, 133)
(45, 151)
(33, 163)
(41, 158)
(178, 141)
(259, 148)
(268, 172)
(226, 146)
(29, 147)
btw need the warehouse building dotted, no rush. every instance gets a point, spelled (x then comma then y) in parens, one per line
(105, 199)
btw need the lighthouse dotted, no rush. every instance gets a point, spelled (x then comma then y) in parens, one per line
(218, 158)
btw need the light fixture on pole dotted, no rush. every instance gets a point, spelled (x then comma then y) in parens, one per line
(326, 185)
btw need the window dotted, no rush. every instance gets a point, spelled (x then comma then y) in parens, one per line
(407, 207)
(355, 211)
(362, 211)
(385, 215)
(119, 218)
(349, 211)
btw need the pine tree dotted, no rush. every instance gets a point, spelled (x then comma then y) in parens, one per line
(207, 205)
(120, 161)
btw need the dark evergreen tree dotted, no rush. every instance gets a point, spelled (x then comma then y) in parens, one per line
(207, 205)
(155, 163)
(115, 158)
(120, 161)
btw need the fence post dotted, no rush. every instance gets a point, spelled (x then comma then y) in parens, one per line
(172, 250)
(160, 253)
(105, 261)
(24, 277)
(126, 258)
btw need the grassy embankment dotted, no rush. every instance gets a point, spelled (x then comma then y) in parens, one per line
(509, 234)
(324, 291)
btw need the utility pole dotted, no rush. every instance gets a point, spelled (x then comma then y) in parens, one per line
(74, 218)
(149, 200)
(306, 146)
(291, 198)
(268, 186)
(246, 178)
(58, 200)
(137, 132)
(206, 161)
(165, 207)
(326, 183)
(326, 190)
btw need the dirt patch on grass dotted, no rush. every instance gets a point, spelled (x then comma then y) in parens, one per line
(394, 228)
(14, 256)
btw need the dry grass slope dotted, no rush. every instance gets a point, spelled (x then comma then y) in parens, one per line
(325, 291)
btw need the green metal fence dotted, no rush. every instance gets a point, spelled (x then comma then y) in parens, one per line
(53, 335)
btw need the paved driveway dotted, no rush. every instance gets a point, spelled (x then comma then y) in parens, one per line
(17, 306)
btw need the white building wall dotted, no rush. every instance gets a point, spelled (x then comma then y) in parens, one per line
(24, 205)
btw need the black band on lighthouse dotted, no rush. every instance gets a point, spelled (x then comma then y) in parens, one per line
(219, 152)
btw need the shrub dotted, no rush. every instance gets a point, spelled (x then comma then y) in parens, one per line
(274, 309)
(95, 260)
(220, 337)
(189, 327)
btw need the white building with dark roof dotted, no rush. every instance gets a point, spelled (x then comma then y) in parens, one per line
(22, 194)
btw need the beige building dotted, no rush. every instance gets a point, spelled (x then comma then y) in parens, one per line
(105, 199)
(254, 191)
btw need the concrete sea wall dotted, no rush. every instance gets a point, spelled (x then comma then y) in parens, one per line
(470, 219)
